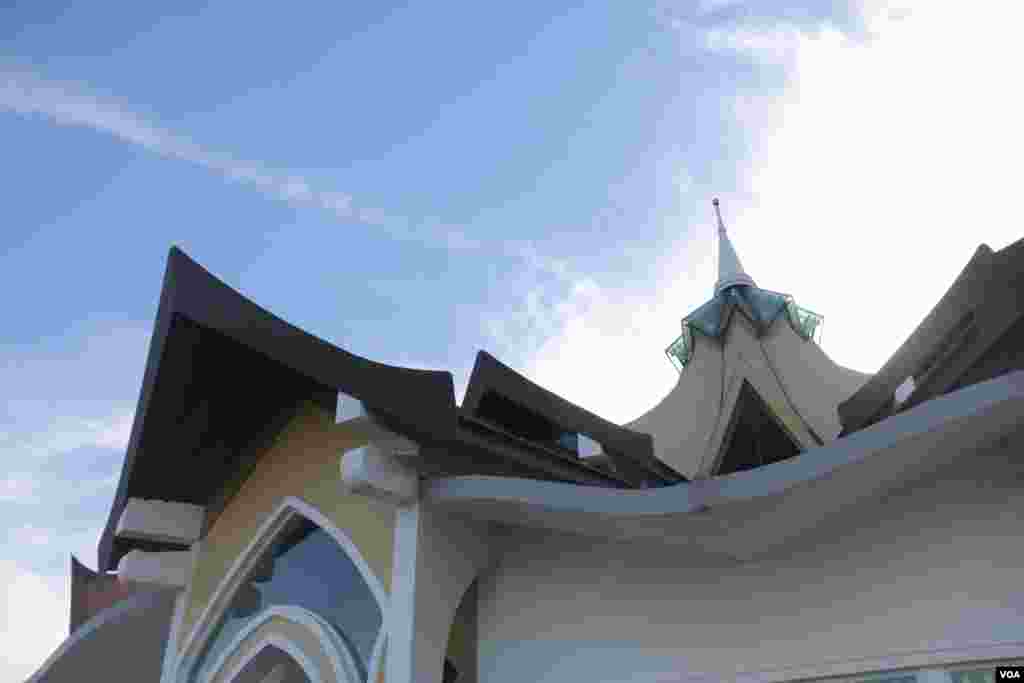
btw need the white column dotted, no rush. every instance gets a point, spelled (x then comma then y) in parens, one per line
(436, 559)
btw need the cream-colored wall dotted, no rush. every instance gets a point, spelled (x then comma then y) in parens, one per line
(303, 462)
(682, 422)
(689, 424)
(814, 382)
(933, 568)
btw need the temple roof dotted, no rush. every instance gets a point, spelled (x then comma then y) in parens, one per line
(736, 290)
(225, 376)
(974, 333)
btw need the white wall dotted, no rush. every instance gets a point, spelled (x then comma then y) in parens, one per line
(934, 568)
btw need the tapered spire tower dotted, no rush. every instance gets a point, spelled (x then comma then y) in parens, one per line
(730, 270)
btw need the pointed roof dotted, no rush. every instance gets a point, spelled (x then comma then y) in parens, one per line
(730, 270)
(735, 290)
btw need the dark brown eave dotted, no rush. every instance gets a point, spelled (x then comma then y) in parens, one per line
(521, 457)
(984, 302)
(631, 452)
(219, 367)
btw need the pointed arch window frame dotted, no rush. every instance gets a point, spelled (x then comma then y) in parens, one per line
(247, 561)
(332, 646)
(285, 645)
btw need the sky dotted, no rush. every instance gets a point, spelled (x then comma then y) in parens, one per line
(415, 182)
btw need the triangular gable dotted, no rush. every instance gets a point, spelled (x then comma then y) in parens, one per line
(749, 399)
(755, 436)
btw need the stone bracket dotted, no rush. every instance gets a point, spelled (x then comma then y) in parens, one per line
(172, 569)
(161, 521)
(378, 470)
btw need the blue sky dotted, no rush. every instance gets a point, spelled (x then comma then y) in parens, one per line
(418, 181)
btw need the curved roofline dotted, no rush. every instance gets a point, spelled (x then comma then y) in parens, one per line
(629, 448)
(914, 439)
(419, 404)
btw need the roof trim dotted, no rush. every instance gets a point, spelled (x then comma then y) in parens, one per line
(622, 444)
(986, 281)
(669, 512)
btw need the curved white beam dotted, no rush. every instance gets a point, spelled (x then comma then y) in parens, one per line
(749, 512)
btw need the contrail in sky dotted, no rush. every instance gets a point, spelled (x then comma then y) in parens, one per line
(27, 93)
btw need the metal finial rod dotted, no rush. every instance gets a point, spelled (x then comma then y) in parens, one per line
(718, 214)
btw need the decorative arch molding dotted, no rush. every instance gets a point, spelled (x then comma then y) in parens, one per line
(343, 662)
(286, 646)
(289, 508)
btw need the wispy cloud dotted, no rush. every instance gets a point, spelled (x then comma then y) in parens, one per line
(63, 432)
(27, 93)
(34, 619)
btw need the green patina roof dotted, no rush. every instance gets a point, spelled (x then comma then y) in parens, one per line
(760, 306)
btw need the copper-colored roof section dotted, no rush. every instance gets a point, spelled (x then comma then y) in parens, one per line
(92, 592)
(124, 642)
(494, 387)
(972, 334)
(222, 377)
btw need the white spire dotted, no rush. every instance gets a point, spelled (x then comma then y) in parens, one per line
(730, 270)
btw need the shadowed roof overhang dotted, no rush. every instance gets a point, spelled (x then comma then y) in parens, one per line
(222, 378)
(983, 303)
(632, 452)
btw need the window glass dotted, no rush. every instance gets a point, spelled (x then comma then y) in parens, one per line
(986, 675)
(971, 674)
(304, 567)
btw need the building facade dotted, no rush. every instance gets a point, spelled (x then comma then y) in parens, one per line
(291, 512)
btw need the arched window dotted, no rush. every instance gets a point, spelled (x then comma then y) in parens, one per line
(272, 665)
(305, 567)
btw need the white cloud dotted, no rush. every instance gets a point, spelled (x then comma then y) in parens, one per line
(775, 44)
(873, 177)
(58, 402)
(598, 343)
(16, 488)
(34, 620)
(81, 396)
(64, 433)
(887, 163)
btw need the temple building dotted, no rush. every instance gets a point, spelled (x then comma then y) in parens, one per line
(289, 512)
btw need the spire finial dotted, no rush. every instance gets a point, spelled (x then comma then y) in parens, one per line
(730, 270)
(718, 214)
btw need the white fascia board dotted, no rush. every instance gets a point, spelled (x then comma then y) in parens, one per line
(171, 569)
(815, 481)
(377, 470)
(161, 521)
